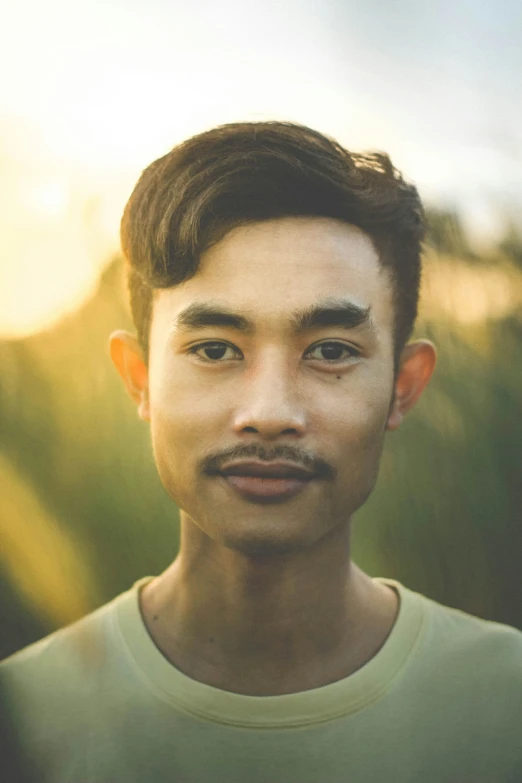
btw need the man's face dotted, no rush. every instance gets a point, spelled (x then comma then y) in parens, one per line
(319, 397)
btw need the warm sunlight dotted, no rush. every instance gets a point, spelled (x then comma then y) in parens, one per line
(467, 295)
(340, 611)
(96, 92)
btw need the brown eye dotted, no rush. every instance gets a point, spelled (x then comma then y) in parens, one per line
(333, 352)
(215, 351)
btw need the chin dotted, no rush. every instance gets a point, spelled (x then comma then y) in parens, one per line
(268, 543)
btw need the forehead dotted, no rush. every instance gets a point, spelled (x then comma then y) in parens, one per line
(270, 270)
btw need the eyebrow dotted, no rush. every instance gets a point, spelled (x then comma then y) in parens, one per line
(340, 313)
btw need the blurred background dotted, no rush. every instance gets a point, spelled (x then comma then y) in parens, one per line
(92, 93)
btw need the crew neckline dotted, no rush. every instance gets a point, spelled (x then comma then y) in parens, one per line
(316, 705)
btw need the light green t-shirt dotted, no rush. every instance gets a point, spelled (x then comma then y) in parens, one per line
(441, 702)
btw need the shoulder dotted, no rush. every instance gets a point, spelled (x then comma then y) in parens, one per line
(77, 649)
(472, 647)
(470, 628)
(51, 691)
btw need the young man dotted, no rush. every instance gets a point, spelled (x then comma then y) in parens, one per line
(274, 280)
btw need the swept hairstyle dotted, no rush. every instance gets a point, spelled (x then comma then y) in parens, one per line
(234, 174)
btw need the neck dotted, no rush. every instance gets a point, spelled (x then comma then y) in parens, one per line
(267, 625)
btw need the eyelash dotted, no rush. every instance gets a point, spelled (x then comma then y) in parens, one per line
(354, 353)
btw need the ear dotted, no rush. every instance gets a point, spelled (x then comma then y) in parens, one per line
(416, 365)
(127, 357)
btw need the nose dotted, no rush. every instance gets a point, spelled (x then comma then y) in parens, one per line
(268, 400)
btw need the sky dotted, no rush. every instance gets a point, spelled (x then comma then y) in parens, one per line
(94, 91)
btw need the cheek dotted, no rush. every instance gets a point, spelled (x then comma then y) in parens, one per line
(360, 406)
(184, 424)
(182, 420)
(356, 428)
(363, 436)
(358, 453)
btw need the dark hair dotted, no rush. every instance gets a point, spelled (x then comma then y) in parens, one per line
(239, 173)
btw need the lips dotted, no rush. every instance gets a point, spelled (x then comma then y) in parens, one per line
(266, 482)
(268, 470)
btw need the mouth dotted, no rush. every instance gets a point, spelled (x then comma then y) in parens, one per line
(263, 489)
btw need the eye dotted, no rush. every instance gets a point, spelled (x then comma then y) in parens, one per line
(213, 347)
(331, 348)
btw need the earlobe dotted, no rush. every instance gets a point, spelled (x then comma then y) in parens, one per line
(127, 357)
(417, 363)
(395, 418)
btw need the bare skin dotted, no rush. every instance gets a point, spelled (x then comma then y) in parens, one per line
(284, 632)
(265, 599)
